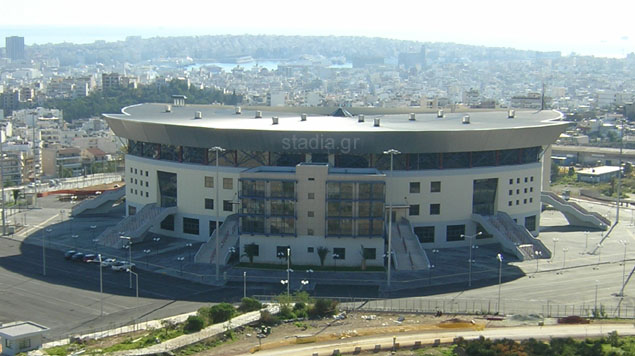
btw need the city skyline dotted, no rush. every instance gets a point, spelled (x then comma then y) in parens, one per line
(545, 26)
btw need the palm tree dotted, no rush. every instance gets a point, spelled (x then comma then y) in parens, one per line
(251, 250)
(322, 252)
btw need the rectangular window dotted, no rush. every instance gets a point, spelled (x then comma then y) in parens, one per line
(146, 173)
(311, 179)
(339, 253)
(435, 187)
(311, 196)
(209, 182)
(135, 171)
(531, 179)
(309, 250)
(369, 253)
(167, 188)
(435, 209)
(511, 181)
(228, 205)
(310, 214)
(190, 226)
(414, 210)
(509, 203)
(530, 223)
(309, 232)
(455, 232)
(24, 343)
(141, 171)
(281, 251)
(130, 169)
(511, 192)
(425, 233)
(147, 185)
(168, 223)
(132, 210)
(415, 187)
(228, 183)
(209, 204)
(147, 195)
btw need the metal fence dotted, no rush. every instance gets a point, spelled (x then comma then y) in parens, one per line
(479, 307)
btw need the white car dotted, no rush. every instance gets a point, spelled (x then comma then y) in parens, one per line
(108, 262)
(122, 266)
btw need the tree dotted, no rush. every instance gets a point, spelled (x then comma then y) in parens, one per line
(628, 168)
(322, 252)
(555, 171)
(193, 324)
(251, 250)
(249, 304)
(222, 312)
(571, 172)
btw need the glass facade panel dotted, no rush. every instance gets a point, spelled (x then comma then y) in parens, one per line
(170, 152)
(484, 196)
(194, 155)
(365, 191)
(346, 191)
(456, 160)
(253, 206)
(454, 232)
(282, 189)
(364, 208)
(282, 207)
(425, 233)
(253, 188)
(167, 188)
(484, 159)
(190, 226)
(253, 225)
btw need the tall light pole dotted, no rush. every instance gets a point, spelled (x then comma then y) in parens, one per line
(586, 242)
(392, 152)
(599, 250)
(244, 284)
(625, 244)
(136, 276)
(2, 161)
(537, 255)
(129, 257)
(469, 261)
(180, 259)
(619, 175)
(499, 257)
(553, 254)
(101, 288)
(288, 269)
(147, 252)
(596, 297)
(218, 150)
(564, 258)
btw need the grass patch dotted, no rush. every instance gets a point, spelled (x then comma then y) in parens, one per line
(152, 338)
(63, 350)
(314, 268)
(192, 349)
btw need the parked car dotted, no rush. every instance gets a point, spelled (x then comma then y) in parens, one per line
(68, 254)
(78, 256)
(108, 262)
(90, 257)
(122, 266)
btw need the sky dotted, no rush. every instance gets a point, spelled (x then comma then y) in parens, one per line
(600, 28)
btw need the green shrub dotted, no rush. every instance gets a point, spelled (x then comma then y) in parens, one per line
(286, 313)
(249, 304)
(206, 314)
(193, 324)
(222, 312)
(323, 308)
(299, 306)
(267, 318)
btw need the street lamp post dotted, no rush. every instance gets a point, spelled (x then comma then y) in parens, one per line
(596, 298)
(470, 261)
(180, 259)
(136, 276)
(499, 257)
(625, 244)
(188, 245)
(553, 254)
(304, 282)
(336, 257)
(564, 259)
(156, 240)
(537, 254)
(244, 284)
(75, 237)
(218, 150)
(392, 152)
(129, 257)
(599, 249)
(147, 252)
(586, 242)
(288, 269)
(619, 174)
(101, 288)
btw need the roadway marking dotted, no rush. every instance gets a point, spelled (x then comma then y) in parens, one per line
(27, 232)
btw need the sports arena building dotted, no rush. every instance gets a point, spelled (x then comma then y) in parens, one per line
(323, 184)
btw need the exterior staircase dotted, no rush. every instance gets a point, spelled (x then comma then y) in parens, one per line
(134, 226)
(409, 255)
(513, 237)
(228, 232)
(100, 203)
(574, 213)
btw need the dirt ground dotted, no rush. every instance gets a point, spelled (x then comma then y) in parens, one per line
(360, 324)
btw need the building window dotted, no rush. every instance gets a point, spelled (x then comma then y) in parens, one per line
(24, 343)
(531, 200)
(517, 180)
(310, 214)
(190, 226)
(168, 223)
(530, 223)
(132, 210)
(414, 210)
(455, 232)
(339, 253)
(167, 189)
(228, 183)
(517, 191)
(135, 181)
(531, 179)
(517, 202)
(435, 187)
(369, 253)
(135, 171)
(435, 209)
(511, 181)
(415, 187)
(311, 179)
(425, 233)
(311, 196)
(309, 232)
(146, 173)
(531, 189)
(147, 184)
(209, 204)
(141, 171)
(228, 205)
(509, 203)
(209, 182)
(309, 250)
(525, 190)
(511, 192)
(147, 195)
(524, 201)
(131, 180)
(130, 169)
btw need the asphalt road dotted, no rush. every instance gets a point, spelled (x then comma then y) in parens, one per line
(68, 300)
